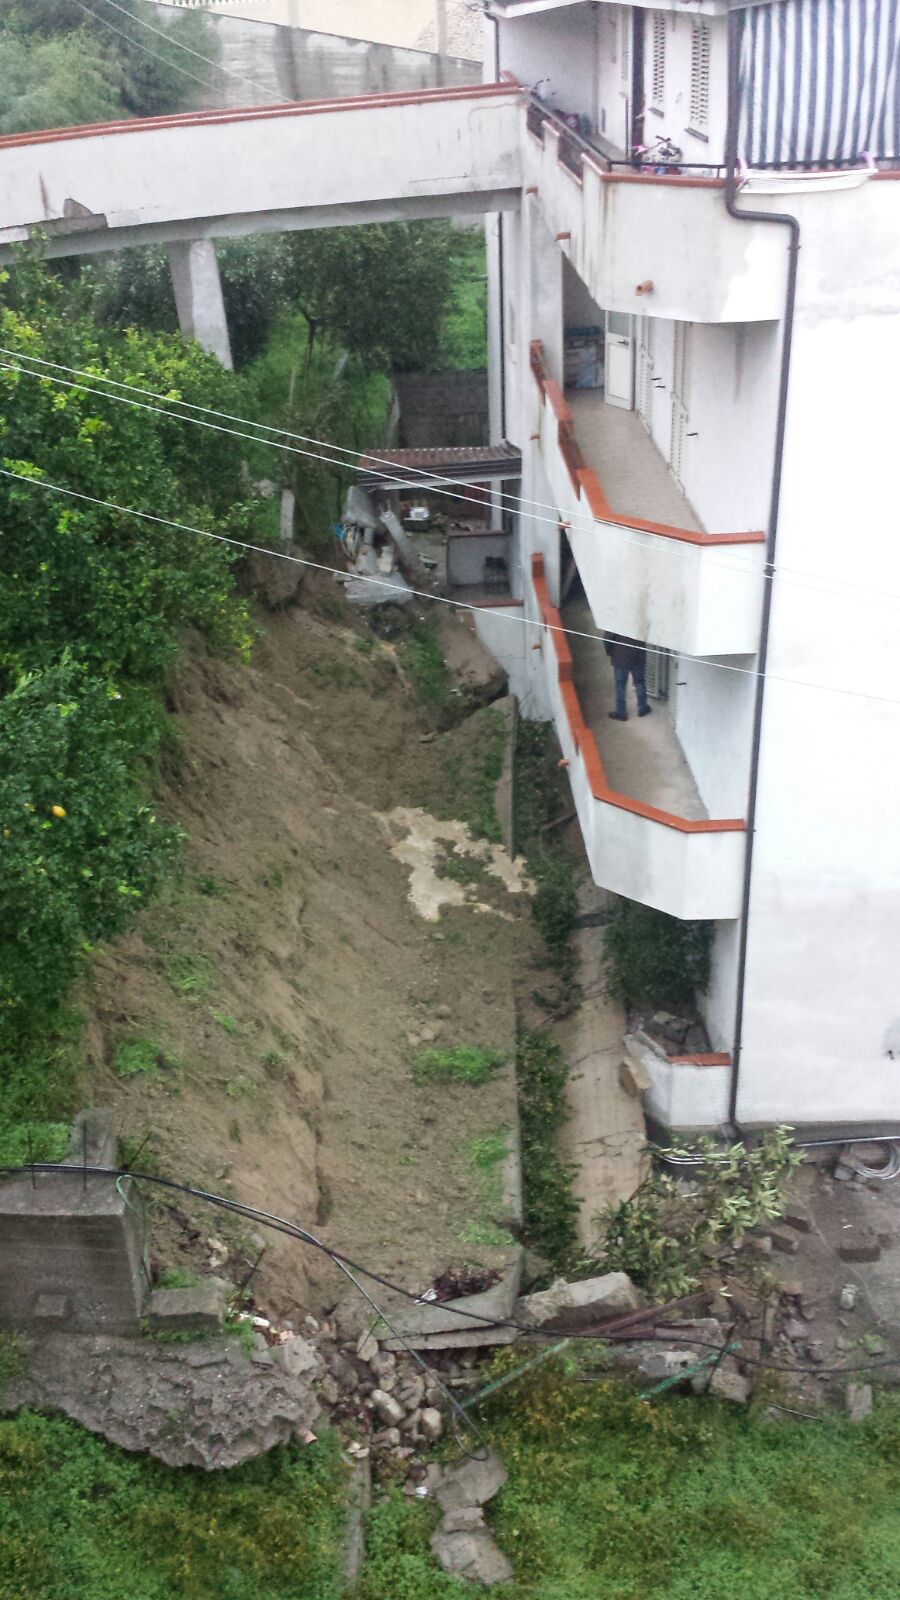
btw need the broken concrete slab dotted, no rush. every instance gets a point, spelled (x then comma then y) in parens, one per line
(473, 1556)
(577, 1304)
(480, 1338)
(197, 1310)
(472, 1483)
(729, 1384)
(481, 1310)
(858, 1401)
(860, 1245)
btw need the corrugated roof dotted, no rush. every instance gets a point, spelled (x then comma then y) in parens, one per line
(463, 461)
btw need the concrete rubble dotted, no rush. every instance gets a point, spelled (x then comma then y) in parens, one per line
(575, 1305)
(191, 1405)
(463, 1545)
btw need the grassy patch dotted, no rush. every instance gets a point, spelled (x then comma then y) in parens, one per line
(39, 1090)
(541, 794)
(677, 1500)
(486, 1154)
(178, 1278)
(484, 1233)
(189, 975)
(81, 1520)
(652, 959)
(461, 869)
(464, 1063)
(550, 1208)
(422, 658)
(13, 1363)
(143, 1057)
(228, 1022)
(464, 332)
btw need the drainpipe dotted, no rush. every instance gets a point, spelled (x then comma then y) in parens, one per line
(501, 269)
(783, 220)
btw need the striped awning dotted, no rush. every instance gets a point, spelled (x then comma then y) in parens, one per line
(820, 82)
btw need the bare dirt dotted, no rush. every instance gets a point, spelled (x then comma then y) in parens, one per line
(278, 996)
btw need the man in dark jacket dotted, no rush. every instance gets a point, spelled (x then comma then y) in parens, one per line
(627, 655)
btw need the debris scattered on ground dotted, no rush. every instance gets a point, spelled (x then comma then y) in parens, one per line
(463, 1544)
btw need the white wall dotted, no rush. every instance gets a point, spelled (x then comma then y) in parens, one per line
(674, 121)
(713, 720)
(611, 119)
(559, 45)
(278, 168)
(823, 978)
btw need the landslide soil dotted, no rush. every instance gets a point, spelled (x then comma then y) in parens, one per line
(272, 999)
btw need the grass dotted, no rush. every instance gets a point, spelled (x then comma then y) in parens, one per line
(464, 332)
(178, 1278)
(678, 1499)
(463, 1063)
(486, 1154)
(82, 1520)
(422, 658)
(39, 1078)
(143, 1057)
(188, 975)
(462, 869)
(226, 1021)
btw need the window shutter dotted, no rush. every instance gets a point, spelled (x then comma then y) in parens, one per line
(699, 114)
(658, 75)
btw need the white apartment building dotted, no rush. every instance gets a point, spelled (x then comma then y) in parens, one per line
(697, 354)
(694, 352)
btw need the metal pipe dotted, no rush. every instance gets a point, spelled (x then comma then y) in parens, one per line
(784, 220)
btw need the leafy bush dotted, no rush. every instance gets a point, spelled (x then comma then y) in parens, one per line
(550, 1208)
(79, 848)
(464, 1063)
(651, 959)
(555, 907)
(659, 1236)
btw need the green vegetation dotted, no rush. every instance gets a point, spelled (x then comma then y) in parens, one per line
(467, 785)
(226, 1021)
(550, 1208)
(422, 657)
(63, 63)
(541, 796)
(486, 1154)
(651, 959)
(680, 1499)
(188, 974)
(178, 1278)
(662, 1234)
(464, 1063)
(462, 869)
(143, 1057)
(82, 1520)
(463, 342)
(92, 607)
(13, 1363)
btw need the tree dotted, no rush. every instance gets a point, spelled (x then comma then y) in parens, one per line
(63, 63)
(380, 291)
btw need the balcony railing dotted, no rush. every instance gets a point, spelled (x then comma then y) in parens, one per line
(689, 868)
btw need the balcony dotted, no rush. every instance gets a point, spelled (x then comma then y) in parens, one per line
(648, 568)
(643, 823)
(621, 228)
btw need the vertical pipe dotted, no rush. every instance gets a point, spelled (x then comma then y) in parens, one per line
(782, 219)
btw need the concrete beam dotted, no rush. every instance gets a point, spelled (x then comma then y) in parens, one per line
(198, 296)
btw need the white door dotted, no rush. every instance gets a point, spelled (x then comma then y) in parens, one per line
(680, 400)
(620, 359)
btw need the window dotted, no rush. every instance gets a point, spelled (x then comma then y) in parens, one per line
(658, 66)
(699, 113)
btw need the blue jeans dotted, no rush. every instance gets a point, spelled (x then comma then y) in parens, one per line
(638, 675)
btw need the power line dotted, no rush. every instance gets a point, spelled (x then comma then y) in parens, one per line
(172, 65)
(163, 33)
(864, 596)
(422, 594)
(625, 1328)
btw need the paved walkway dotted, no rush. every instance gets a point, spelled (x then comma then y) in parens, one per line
(635, 478)
(605, 1134)
(641, 757)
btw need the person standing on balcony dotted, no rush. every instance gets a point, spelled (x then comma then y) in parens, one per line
(627, 656)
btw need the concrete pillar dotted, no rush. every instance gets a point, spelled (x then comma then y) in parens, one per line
(198, 296)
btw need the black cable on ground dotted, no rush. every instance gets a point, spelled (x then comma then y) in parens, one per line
(618, 1332)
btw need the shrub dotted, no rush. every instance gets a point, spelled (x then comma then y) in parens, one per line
(464, 1063)
(652, 959)
(550, 1208)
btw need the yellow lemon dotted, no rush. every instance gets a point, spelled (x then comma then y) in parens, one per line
(57, 811)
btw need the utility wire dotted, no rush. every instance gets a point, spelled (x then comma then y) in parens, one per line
(422, 594)
(361, 463)
(172, 65)
(622, 1329)
(163, 33)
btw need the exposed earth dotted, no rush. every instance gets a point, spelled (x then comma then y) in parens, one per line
(258, 1027)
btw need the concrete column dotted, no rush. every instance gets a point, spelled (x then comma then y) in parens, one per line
(198, 296)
